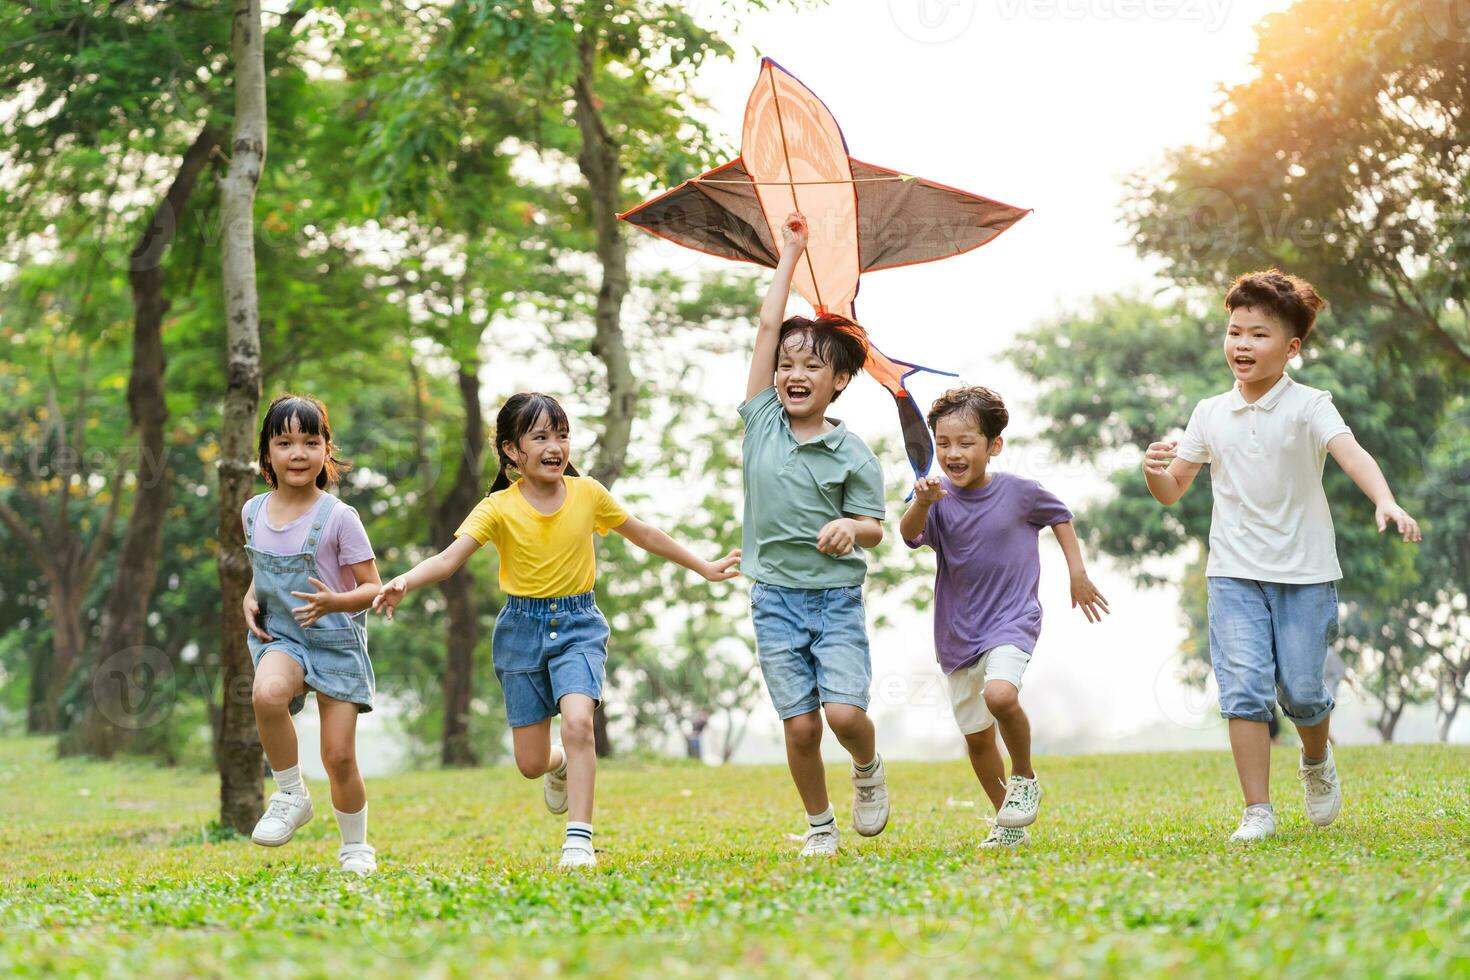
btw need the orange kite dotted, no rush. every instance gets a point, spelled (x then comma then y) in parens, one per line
(862, 217)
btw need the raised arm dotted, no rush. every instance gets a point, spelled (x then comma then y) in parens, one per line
(656, 542)
(1358, 464)
(436, 568)
(773, 310)
(927, 492)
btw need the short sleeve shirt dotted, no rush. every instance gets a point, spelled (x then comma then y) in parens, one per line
(344, 541)
(989, 568)
(545, 556)
(794, 489)
(1270, 522)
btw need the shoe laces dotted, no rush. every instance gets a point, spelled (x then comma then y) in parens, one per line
(1256, 817)
(279, 808)
(1317, 779)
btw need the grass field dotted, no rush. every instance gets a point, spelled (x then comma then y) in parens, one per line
(107, 870)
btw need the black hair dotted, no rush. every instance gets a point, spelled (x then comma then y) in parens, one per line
(311, 416)
(519, 415)
(981, 405)
(834, 339)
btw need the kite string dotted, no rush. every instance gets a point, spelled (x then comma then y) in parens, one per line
(797, 183)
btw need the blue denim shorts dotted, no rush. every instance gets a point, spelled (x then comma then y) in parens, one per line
(1268, 643)
(545, 648)
(813, 646)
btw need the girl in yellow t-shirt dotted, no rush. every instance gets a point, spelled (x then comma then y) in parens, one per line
(550, 643)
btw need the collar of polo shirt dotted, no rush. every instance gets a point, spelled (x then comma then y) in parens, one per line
(1266, 402)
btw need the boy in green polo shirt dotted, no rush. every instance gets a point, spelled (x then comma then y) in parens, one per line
(813, 502)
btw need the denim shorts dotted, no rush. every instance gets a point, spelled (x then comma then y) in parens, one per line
(545, 648)
(813, 646)
(1268, 643)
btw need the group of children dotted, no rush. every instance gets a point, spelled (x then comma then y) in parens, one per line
(814, 505)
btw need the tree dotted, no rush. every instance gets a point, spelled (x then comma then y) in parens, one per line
(1343, 160)
(239, 746)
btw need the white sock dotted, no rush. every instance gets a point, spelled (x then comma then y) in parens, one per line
(352, 825)
(561, 769)
(290, 781)
(579, 833)
(824, 819)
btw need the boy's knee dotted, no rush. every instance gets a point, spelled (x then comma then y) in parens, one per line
(846, 720)
(804, 732)
(576, 728)
(981, 741)
(531, 766)
(1002, 698)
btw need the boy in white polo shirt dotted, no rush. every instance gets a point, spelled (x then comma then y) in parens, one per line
(1272, 565)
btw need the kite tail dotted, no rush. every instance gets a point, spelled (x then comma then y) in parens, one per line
(892, 374)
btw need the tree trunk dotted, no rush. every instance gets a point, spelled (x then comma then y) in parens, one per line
(458, 590)
(600, 166)
(112, 718)
(238, 754)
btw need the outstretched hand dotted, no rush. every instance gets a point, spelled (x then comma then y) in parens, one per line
(389, 596)
(1085, 594)
(1408, 527)
(929, 490)
(723, 569)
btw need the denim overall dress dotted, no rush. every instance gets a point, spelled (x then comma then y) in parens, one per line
(332, 652)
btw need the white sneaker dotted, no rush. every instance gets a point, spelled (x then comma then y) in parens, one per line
(1257, 824)
(358, 859)
(820, 841)
(870, 801)
(577, 854)
(554, 786)
(285, 814)
(1323, 791)
(1006, 837)
(1023, 799)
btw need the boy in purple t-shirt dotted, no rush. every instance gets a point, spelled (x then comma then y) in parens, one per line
(983, 527)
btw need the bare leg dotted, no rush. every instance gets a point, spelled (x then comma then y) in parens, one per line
(581, 754)
(854, 729)
(1315, 739)
(804, 758)
(532, 747)
(989, 767)
(339, 753)
(278, 679)
(1250, 743)
(1003, 700)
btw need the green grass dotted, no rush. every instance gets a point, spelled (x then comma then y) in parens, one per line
(106, 870)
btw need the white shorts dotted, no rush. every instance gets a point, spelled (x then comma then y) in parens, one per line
(967, 685)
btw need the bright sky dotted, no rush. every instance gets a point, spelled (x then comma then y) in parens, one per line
(1047, 104)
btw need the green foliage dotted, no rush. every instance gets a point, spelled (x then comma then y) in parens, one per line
(116, 870)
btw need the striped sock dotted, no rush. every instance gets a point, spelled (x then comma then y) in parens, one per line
(579, 833)
(824, 819)
(868, 768)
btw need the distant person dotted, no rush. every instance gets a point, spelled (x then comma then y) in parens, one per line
(550, 643)
(984, 526)
(314, 578)
(1272, 564)
(694, 745)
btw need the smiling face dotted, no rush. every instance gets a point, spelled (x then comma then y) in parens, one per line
(1258, 346)
(297, 457)
(542, 452)
(962, 450)
(805, 384)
